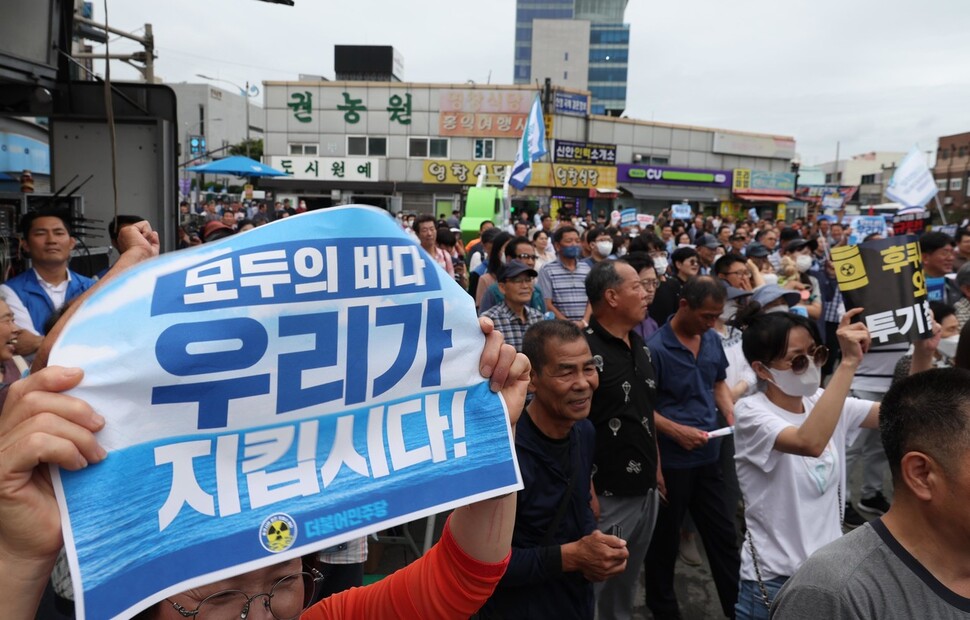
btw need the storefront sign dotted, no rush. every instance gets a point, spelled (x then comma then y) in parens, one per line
(816, 193)
(481, 124)
(566, 152)
(570, 104)
(885, 277)
(636, 173)
(762, 182)
(269, 395)
(303, 168)
(543, 174)
(491, 101)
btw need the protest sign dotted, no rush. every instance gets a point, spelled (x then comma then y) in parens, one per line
(270, 395)
(644, 220)
(615, 216)
(910, 222)
(864, 225)
(681, 211)
(950, 229)
(885, 277)
(628, 217)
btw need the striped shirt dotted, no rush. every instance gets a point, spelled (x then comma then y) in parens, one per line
(510, 325)
(566, 288)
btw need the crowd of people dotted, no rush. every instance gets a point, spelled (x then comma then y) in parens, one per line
(693, 381)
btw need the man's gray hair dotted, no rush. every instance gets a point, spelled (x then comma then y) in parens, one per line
(963, 275)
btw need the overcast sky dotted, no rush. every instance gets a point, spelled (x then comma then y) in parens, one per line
(873, 75)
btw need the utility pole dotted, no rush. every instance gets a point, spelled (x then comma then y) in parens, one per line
(91, 29)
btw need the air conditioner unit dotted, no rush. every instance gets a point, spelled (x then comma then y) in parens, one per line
(948, 200)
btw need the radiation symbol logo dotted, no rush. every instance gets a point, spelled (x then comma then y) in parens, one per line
(277, 533)
(850, 269)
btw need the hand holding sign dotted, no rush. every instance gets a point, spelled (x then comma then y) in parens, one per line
(38, 426)
(853, 337)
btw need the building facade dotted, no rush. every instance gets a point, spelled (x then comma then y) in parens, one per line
(606, 50)
(952, 173)
(213, 118)
(418, 147)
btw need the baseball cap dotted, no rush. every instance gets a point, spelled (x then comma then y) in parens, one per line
(514, 269)
(771, 292)
(757, 250)
(707, 241)
(797, 244)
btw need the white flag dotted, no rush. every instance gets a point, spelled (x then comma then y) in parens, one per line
(531, 147)
(912, 184)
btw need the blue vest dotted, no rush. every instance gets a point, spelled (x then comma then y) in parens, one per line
(35, 299)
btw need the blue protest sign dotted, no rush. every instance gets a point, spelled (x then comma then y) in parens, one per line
(269, 395)
(681, 211)
(628, 217)
(865, 225)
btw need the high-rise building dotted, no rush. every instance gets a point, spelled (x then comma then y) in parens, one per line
(577, 43)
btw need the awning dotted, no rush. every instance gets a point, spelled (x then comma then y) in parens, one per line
(764, 197)
(647, 192)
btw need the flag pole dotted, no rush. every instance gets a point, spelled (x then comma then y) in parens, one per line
(939, 208)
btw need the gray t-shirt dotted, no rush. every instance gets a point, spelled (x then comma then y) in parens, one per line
(866, 574)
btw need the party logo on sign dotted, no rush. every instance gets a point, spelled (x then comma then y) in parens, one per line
(277, 533)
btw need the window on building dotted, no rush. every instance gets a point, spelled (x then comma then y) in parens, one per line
(566, 56)
(956, 184)
(364, 146)
(944, 154)
(962, 151)
(941, 185)
(434, 148)
(303, 149)
(868, 179)
(484, 148)
(565, 75)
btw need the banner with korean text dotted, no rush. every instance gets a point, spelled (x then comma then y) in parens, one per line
(885, 277)
(269, 395)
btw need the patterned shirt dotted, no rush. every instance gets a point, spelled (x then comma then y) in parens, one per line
(510, 325)
(566, 288)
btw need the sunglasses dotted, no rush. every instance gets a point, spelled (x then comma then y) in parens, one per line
(819, 355)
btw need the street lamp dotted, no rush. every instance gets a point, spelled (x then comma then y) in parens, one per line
(796, 164)
(247, 92)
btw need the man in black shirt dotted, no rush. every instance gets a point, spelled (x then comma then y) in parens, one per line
(626, 469)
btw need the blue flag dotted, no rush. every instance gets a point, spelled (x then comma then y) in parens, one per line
(531, 147)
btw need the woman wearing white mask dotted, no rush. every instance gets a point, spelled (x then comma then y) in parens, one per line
(790, 440)
(800, 251)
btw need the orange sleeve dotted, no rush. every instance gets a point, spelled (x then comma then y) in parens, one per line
(443, 584)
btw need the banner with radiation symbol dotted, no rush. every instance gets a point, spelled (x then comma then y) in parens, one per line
(885, 277)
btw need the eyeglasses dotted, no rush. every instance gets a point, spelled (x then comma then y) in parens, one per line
(819, 355)
(521, 280)
(742, 273)
(650, 284)
(281, 601)
(526, 256)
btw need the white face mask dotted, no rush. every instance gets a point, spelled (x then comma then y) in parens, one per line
(660, 264)
(604, 248)
(804, 384)
(948, 346)
(621, 251)
(770, 278)
(803, 263)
